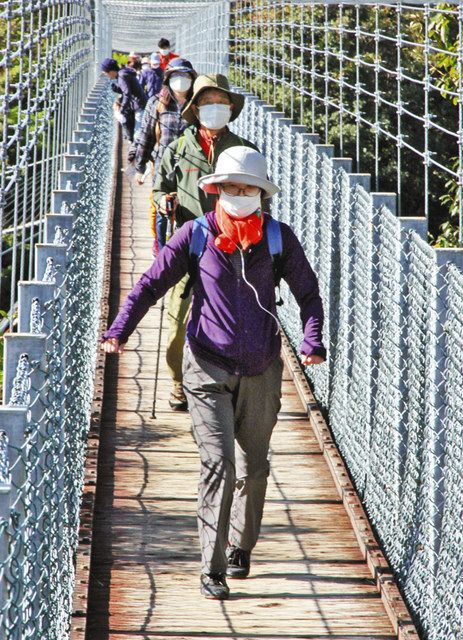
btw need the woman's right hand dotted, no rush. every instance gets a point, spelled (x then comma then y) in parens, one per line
(163, 203)
(112, 345)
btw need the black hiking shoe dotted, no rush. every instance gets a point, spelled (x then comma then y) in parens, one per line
(214, 586)
(239, 563)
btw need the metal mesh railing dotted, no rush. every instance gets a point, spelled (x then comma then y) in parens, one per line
(206, 55)
(390, 386)
(48, 390)
(380, 80)
(45, 73)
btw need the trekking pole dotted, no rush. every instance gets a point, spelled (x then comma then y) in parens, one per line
(170, 200)
(158, 355)
(169, 209)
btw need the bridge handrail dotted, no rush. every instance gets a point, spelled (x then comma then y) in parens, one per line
(48, 389)
(391, 386)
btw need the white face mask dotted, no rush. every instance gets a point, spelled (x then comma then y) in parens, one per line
(214, 116)
(164, 52)
(145, 67)
(180, 83)
(240, 206)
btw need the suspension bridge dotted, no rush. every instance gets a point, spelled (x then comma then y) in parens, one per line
(358, 108)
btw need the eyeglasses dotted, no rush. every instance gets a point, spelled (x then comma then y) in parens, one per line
(233, 190)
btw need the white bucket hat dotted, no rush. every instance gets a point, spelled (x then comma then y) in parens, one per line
(239, 164)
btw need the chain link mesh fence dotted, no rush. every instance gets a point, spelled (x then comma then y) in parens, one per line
(48, 390)
(390, 386)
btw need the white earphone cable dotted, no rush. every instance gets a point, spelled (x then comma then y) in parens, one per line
(255, 291)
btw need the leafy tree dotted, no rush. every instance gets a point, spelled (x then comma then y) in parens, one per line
(443, 28)
(278, 52)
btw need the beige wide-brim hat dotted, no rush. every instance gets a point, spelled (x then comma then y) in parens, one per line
(212, 81)
(240, 164)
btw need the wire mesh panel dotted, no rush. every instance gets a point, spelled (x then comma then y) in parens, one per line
(392, 330)
(203, 37)
(45, 69)
(385, 473)
(447, 609)
(419, 488)
(48, 390)
(380, 80)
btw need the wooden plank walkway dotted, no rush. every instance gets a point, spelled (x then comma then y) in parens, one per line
(308, 580)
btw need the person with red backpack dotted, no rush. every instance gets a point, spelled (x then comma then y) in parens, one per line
(232, 369)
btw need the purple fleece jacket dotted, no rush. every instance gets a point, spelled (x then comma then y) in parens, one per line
(226, 325)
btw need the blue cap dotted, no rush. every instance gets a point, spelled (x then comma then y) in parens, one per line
(109, 64)
(179, 65)
(155, 58)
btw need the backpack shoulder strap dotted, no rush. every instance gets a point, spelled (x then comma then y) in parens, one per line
(157, 123)
(180, 145)
(199, 236)
(275, 247)
(177, 155)
(274, 239)
(198, 243)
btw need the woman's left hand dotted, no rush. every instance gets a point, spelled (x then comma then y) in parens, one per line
(306, 360)
(112, 345)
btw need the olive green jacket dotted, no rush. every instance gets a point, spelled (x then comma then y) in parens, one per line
(192, 165)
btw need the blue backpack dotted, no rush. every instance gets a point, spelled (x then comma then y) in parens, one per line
(198, 244)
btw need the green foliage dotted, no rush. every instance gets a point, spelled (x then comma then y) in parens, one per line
(448, 236)
(443, 28)
(7, 268)
(261, 52)
(19, 117)
(121, 58)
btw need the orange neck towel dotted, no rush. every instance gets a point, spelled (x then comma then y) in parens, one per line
(236, 232)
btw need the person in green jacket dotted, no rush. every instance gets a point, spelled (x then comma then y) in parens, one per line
(192, 156)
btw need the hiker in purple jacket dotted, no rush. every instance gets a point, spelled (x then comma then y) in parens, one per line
(232, 368)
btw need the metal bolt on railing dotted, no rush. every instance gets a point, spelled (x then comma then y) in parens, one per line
(5, 478)
(60, 235)
(50, 271)
(21, 382)
(36, 320)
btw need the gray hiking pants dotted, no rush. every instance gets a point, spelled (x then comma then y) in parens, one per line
(225, 408)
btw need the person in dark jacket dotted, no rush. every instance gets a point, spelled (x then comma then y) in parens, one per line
(151, 76)
(232, 365)
(163, 123)
(133, 98)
